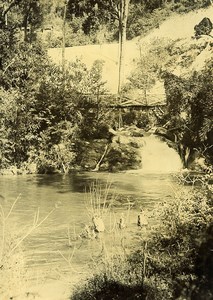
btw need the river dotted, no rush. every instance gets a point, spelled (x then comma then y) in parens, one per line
(66, 196)
(54, 250)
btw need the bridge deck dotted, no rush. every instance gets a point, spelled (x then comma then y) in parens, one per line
(122, 101)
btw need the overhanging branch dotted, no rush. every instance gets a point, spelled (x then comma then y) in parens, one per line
(13, 3)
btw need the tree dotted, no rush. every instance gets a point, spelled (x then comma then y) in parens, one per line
(190, 112)
(63, 36)
(5, 8)
(123, 9)
(148, 67)
(23, 13)
(105, 11)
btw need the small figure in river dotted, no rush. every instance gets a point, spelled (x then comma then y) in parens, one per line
(121, 223)
(142, 219)
(98, 223)
(88, 233)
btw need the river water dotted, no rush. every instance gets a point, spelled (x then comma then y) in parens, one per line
(54, 248)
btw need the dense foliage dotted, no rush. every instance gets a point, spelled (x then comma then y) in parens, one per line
(190, 103)
(188, 118)
(44, 110)
(47, 115)
(87, 21)
(143, 15)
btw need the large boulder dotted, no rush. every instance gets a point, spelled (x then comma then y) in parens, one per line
(120, 153)
(204, 27)
(168, 134)
(124, 151)
(90, 153)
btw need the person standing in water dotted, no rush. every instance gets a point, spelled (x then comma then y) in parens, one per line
(121, 223)
(142, 219)
(98, 224)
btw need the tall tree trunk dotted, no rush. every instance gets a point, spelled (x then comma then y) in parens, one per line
(25, 23)
(123, 16)
(63, 37)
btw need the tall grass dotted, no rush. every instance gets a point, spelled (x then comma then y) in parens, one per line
(99, 199)
(14, 275)
(12, 281)
(172, 262)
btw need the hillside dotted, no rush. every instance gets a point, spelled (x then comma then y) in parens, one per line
(178, 28)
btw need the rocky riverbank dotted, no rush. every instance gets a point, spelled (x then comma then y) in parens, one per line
(120, 151)
(117, 153)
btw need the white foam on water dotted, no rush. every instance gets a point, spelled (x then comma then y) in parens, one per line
(158, 157)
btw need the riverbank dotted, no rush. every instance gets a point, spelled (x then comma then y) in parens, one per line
(55, 290)
(121, 151)
(173, 261)
(118, 153)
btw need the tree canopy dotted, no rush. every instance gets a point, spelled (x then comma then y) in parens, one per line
(47, 113)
